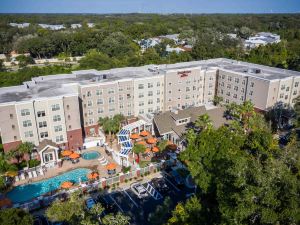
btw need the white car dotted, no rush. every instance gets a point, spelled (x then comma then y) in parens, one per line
(139, 190)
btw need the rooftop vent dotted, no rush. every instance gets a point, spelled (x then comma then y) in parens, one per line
(254, 70)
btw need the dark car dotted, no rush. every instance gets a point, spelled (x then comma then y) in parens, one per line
(108, 204)
(160, 185)
(177, 178)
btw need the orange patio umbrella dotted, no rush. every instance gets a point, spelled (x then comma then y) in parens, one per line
(151, 141)
(5, 202)
(155, 149)
(66, 184)
(93, 175)
(144, 133)
(134, 136)
(11, 173)
(66, 153)
(111, 166)
(74, 155)
(141, 143)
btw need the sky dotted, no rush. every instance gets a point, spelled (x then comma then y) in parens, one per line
(149, 6)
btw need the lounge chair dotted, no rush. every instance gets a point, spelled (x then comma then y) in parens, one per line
(34, 173)
(41, 172)
(22, 176)
(29, 174)
(17, 178)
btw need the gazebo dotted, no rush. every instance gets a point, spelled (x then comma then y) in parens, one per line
(48, 153)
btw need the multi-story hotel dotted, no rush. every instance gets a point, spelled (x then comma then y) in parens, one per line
(65, 108)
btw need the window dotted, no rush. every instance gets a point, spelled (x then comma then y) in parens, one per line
(243, 82)
(41, 114)
(141, 86)
(48, 157)
(251, 93)
(42, 124)
(158, 92)
(242, 98)
(121, 106)
(252, 84)
(11, 116)
(296, 84)
(286, 97)
(99, 101)
(209, 93)
(56, 118)
(235, 96)
(187, 89)
(295, 92)
(150, 102)
(120, 89)
(55, 107)
(236, 88)
(141, 103)
(25, 112)
(141, 111)
(236, 80)
(90, 112)
(211, 78)
(27, 123)
(288, 89)
(59, 138)
(68, 107)
(90, 103)
(100, 110)
(158, 84)
(170, 84)
(281, 96)
(128, 96)
(111, 100)
(99, 92)
(229, 78)
(88, 93)
(150, 93)
(150, 110)
(28, 134)
(141, 95)
(58, 128)
(282, 87)
(228, 93)
(150, 85)
(111, 109)
(210, 85)
(229, 86)
(44, 134)
(158, 100)
(243, 90)
(111, 91)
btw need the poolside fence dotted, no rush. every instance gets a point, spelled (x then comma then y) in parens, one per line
(102, 183)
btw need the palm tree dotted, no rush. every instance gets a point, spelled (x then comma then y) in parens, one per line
(162, 145)
(246, 111)
(26, 148)
(204, 122)
(138, 149)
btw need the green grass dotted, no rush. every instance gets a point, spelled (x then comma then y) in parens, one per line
(144, 163)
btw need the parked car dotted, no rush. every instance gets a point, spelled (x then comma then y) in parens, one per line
(89, 202)
(139, 190)
(160, 185)
(177, 178)
(108, 204)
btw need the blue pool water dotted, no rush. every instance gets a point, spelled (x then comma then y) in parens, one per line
(27, 192)
(90, 155)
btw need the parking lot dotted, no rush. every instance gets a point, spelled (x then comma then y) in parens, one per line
(128, 202)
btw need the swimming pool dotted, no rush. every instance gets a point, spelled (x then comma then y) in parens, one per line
(90, 155)
(27, 192)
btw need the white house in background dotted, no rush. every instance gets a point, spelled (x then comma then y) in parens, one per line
(76, 25)
(90, 25)
(52, 27)
(262, 38)
(19, 25)
(173, 37)
(176, 49)
(148, 43)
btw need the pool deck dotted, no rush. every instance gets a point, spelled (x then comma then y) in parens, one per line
(67, 166)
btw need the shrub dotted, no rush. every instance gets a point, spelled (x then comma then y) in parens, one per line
(34, 162)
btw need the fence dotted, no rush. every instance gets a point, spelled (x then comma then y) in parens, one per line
(88, 187)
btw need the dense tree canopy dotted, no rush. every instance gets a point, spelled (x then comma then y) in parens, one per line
(243, 176)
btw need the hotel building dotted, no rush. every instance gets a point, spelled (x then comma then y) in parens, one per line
(65, 108)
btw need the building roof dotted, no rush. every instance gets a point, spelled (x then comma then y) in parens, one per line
(44, 143)
(64, 84)
(166, 122)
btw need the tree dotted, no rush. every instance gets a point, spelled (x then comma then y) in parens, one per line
(162, 145)
(242, 177)
(117, 219)
(217, 100)
(70, 211)
(138, 149)
(15, 216)
(161, 212)
(2, 67)
(203, 122)
(24, 60)
(26, 148)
